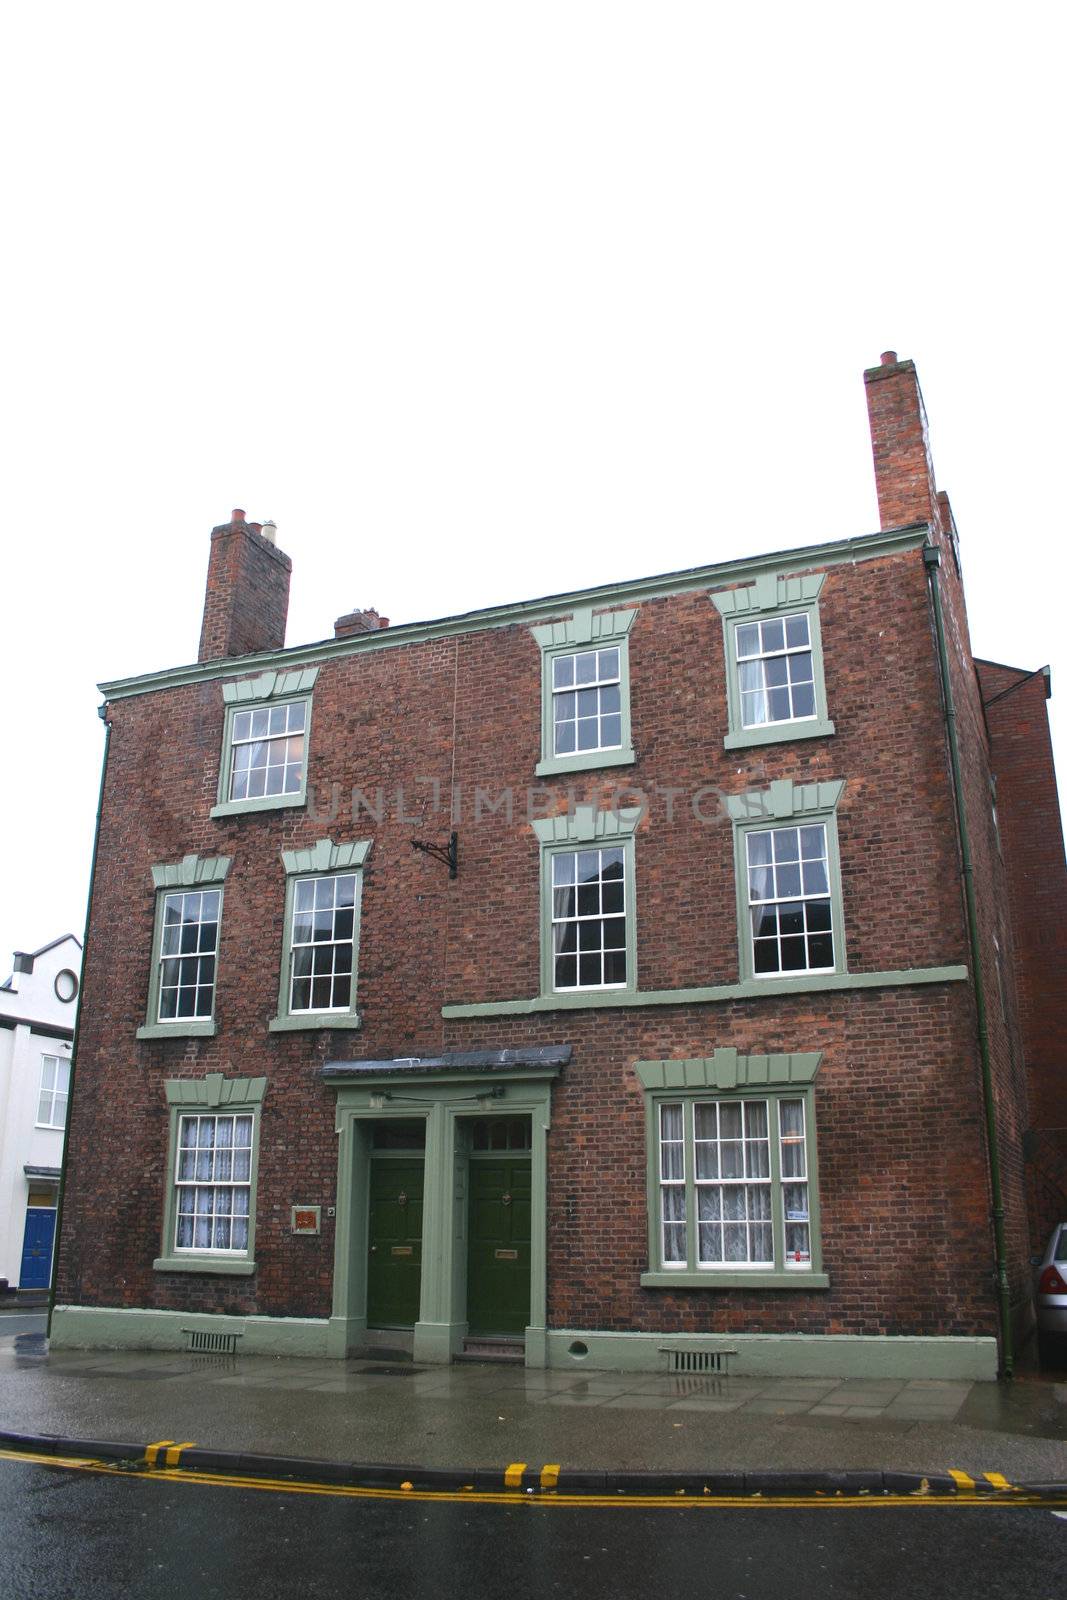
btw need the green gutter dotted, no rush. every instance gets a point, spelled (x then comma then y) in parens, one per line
(840, 552)
(102, 713)
(932, 558)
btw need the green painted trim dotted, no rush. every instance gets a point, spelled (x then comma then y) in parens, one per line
(214, 1091)
(304, 1021)
(752, 989)
(125, 1328)
(786, 804)
(320, 860)
(591, 761)
(325, 856)
(238, 697)
(221, 1095)
(867, 547)
(725, 1070)
(783, 1355)
(191, 872)
(269, 686)
(178, 879)
(447, 1106)
(218, 1265)
(778, 733)
(565, 834)
(711, 1279)
(585, 825)
(772, 593)
(180, 1028)
(725, 1074)
(273, 802)
(784, 800)
(584, 630)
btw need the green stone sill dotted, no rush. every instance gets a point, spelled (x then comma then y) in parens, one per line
(589, 761)
(204, 1028)
(735, 1280)
(218, 1264)
(777, 733)
(267, 802)
(749, 989)
(315, 1021)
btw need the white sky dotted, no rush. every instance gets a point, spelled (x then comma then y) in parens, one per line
(482, 301)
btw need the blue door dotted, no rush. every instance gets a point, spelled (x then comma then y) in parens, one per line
(37, 1248)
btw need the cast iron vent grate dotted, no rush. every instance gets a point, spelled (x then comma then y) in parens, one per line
(698, 1360)
(205, 1342)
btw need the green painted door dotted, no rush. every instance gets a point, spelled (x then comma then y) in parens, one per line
(498, 1260)
(394, 1268)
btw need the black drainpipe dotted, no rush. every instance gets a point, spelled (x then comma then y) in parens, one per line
(101, 712)
(932, 558)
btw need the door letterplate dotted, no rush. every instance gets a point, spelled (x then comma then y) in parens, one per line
(506, 1255)
(401, 1250)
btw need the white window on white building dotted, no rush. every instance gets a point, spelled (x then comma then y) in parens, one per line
(55, 1087)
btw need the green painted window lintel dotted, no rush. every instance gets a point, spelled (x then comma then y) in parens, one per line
(751, 989)
(314, 1021)
(590, 761)
(213, 1264)
(272, 802)
(735, 1280)
(193, 1028)
(778, 733)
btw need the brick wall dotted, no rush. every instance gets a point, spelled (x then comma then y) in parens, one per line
(904, 1208)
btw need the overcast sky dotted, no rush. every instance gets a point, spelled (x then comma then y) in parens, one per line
(484, 301)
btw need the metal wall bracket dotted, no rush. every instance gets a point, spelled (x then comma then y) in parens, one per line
(448, 854)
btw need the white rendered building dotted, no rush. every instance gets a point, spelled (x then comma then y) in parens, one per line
(38, 1005)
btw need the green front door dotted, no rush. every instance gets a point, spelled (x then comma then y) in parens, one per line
(498, 1261)
(394, 1268)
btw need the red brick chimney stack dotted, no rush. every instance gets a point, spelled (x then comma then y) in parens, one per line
(359, 622)
(903, 469)
(247, 595)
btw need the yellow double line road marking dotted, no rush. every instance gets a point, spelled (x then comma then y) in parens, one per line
(684, 1501)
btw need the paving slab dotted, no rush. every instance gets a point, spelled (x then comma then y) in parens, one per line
(481, 1418)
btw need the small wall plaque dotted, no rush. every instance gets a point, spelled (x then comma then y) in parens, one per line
(306, 1219)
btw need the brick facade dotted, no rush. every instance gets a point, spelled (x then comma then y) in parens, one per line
(903, 1171)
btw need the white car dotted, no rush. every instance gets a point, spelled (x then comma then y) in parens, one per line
(1051, 1299)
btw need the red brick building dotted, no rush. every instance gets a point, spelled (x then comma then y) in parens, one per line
(675, 1038)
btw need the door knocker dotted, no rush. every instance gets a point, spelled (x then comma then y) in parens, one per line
(401, 1199)
(505, 1200)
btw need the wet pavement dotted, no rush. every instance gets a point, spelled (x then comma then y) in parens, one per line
(485, 1415)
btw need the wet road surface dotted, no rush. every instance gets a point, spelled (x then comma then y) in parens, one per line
(69, 1533)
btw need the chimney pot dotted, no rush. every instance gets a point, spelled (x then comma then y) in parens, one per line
(237, 515)
(269, 530)
(889, 358)
(359, 622)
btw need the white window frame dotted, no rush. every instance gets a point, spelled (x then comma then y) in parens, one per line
(53, 1092)
(352, 942)
(803, 898)
(214, 1183)
(762, 656)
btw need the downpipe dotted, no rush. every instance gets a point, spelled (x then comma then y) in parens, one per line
(932, 560)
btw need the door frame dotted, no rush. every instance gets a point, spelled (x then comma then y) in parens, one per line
(446, 1099)
(48, 1211)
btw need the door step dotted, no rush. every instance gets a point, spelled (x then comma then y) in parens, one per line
(500, 1349)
